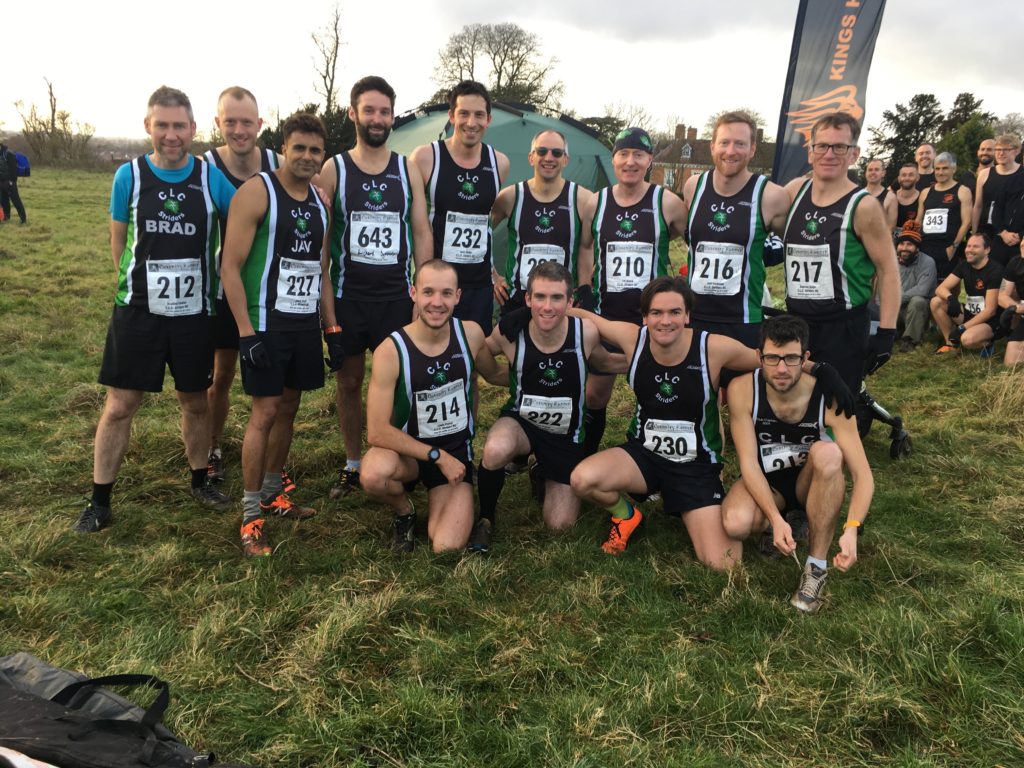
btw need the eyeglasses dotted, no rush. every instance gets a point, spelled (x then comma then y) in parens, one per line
(791, 361)
(543, 152)
(839, 150)
(1006, 149)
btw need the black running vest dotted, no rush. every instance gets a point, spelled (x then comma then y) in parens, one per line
(541, 232)
(941, 219)
(676, 414)
(992, 219)
(781, 445)
(905, 212)
(371, 237)
(548, 389)
(460, 207)
(434, 395)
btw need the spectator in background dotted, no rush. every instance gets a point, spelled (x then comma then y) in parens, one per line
(907, 196)
(974, 323)
(1011, 309)
(917, 278)
(996, 186)
(9, 183)
(944, 213)
(874, 172)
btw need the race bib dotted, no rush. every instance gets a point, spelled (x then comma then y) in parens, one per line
(672, 440)
(630, 266)
(375, 237)
(465, 238)
(298, 287)
(175, 287)
(441, 411)
(935, 221)
(776, 456)
(809, 273)
(975, 304)
(552, 414)
(534, 255)
(717, 269)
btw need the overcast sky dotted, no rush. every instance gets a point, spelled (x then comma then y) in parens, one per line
(675, 59)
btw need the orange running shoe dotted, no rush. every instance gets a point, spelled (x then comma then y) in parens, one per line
(287, 484)
(621, 530)
(282, 506)
(254, 542)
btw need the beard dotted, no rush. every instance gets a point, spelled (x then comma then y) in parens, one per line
(365, 137)
(985, 162)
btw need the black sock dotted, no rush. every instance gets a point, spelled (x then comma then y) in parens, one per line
(101, 494)
(594, 429)
(198, 477)
(489, 483)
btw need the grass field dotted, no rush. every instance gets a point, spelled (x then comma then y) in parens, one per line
(334, 652)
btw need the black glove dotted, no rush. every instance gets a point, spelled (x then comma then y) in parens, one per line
(514, 322)
(1006, 319)
(879, 349)
(253, 351)
(585, 297)
(833, 388)
(335, 350)
(774, 250)
(955, 334)
(953, 308)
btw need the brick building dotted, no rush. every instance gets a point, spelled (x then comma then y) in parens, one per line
(687, 155)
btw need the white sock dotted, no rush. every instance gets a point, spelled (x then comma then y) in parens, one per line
(822, 564)
(352, 465)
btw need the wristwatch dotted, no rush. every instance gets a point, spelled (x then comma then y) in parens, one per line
(434, 455)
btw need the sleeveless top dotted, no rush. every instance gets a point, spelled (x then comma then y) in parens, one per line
(780, 444)
(371, 238)
(282, 274)
(676, 415)
(630, 250)
(460, 202)
(165, 267)
(941, 218)
(434, 395)
(541, 232)
(827, 267)
(726, 256)
(547, 390)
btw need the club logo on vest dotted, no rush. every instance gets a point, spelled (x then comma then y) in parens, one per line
(551, 372)
(720, 216)
(170, 216)
(375, 195)
(467, 189)
(666, 387)
(303, 242)
(627, 223)
(545, 220)
(812, 225)
(439, 372)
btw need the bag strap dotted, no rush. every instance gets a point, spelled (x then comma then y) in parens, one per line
(78, 693)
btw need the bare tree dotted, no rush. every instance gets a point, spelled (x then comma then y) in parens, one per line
(54, 138)
(630, 115)
(508, 55)
(328, 42)
(1012, 123)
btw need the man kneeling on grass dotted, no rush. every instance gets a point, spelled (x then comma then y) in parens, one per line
(791, 449)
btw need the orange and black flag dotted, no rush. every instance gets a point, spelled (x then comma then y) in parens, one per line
(833, 44)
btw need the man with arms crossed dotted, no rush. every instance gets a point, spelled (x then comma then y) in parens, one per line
(791, 450)
(544, 221)
(239, 159)
(674, 441)
(419, 416)
(632, 224)
(274, 268)
(463, 176)
(379, 228)
(545, 409)
(838, 250)
(168, 201)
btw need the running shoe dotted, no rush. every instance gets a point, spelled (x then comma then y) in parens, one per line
(808, 596)
(215, 466)
(282, 506)
(945, 349)
(348, 481)
(405, 532)
(766, 545)
(287, 484)
(480, 538)
(621, 530)
(208, 495)
(798, 522)
(92, 519)
(988, 350)
(254, 541)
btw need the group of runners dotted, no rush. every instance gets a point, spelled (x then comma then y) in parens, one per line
(369, 251)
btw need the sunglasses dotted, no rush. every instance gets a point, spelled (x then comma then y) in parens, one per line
(543, 152)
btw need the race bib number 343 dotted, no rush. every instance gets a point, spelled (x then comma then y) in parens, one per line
(441, 411)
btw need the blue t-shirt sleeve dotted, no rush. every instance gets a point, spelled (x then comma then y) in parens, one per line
(120, 193)
(222, 191)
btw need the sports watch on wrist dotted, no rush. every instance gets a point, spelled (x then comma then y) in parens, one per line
(434, 455)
